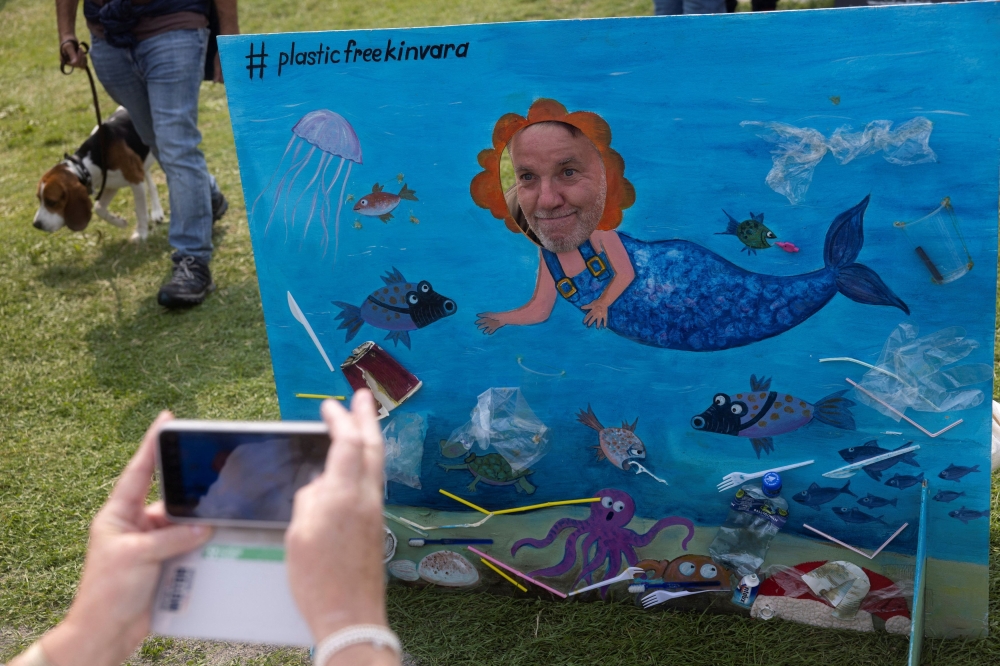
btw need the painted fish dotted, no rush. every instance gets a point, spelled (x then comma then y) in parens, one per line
(760, 414)
(874, 501)
(947, 496)
(900, 481)
(956, 472)
(688, 298)
(872, 449)
(965, 515)
(787, 247)
(618, 445)
(856, 516)
(399, 307)
(381, 204)
(752, 233)
(816, 495)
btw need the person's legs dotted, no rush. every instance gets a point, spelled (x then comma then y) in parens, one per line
(119, 74)
(704, 6)
(171, 65)
(667, 7)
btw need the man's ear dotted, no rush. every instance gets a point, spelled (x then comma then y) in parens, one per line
(78, 207)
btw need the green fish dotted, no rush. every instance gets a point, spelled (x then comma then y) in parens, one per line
(752, 233)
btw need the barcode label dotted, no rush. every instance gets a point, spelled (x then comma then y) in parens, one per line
(177, 589)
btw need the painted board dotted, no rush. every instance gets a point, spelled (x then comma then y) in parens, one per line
(720, 202)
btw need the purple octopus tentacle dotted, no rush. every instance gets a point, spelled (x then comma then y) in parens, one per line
(663, 523)
(567, 562)
(614, 564)
(602, 554)
(630, 555)
(559, 526)
(587, 543)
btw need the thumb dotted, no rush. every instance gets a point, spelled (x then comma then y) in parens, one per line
(162, 544)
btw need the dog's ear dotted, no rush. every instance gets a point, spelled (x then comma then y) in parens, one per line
(79, 207)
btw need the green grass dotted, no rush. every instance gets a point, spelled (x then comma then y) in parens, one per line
(88, 359)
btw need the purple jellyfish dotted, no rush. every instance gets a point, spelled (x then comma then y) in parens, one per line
(334, 137)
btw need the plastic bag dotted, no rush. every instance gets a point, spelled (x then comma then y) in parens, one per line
(742, 541)
(798, 150)
(911, 373)
(404, 448)
(502, 419)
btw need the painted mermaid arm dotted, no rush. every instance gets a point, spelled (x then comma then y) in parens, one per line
(535, 311)
(662, 524)
(624, 272)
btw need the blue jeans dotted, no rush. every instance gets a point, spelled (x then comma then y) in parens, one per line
(158, 81)
(665, 7)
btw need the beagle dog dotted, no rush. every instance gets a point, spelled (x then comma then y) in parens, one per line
(64, 191)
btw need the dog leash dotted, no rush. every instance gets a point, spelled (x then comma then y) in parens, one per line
(101, 128)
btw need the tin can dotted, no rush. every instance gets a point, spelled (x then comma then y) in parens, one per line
(369, 366)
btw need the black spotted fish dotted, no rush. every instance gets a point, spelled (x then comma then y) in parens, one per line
(760, 414)
(399, 307)
(752, 233)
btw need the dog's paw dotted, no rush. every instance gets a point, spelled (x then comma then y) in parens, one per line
(116, 220)
(138, 237)
(157, 217)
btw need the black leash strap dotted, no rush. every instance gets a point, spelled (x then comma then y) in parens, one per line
(66, 69)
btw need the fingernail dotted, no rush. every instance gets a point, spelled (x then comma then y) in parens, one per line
(198, 530)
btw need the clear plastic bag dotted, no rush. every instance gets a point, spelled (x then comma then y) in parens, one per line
(502, 419)
(404, 448)
(911, 373)
(742, 541)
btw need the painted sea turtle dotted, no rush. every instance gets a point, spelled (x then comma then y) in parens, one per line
(493, 470)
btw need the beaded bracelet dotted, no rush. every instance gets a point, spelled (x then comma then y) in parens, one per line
(377, 635)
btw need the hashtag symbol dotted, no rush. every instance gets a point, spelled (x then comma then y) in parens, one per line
(260, 66)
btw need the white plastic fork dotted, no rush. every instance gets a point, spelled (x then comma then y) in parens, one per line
(734, 479)
(660, 596)
(628, 574)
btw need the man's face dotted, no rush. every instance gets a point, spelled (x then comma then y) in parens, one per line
(561, 185)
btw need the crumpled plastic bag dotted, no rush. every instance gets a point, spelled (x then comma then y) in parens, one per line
(911, 372)
(798, 150)
(502, 419)
(404, 448)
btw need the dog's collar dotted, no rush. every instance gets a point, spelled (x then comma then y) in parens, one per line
(81, 171)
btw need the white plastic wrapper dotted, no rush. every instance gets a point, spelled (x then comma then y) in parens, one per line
(404, 448)
(502, 419)
(911, 372)
(797, 150)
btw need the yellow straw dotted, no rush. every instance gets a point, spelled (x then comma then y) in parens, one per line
(504, 576)
(546, 504)
(318, 396)
(466, 503)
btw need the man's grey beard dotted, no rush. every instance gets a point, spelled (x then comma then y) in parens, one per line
(589, 220)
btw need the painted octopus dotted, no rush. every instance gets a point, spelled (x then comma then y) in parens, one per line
(605, 528)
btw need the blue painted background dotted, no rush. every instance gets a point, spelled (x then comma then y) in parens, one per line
(674, 91)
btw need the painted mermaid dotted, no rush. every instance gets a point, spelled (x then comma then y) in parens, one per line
(568, 199)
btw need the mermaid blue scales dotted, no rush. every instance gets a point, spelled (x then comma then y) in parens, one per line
(688, 298)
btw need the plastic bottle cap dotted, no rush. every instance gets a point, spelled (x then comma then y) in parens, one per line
(750, 580)
(771, 484)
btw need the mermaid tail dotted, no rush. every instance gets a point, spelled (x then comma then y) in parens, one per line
(686, 297)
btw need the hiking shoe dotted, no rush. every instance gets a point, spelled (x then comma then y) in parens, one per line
(219, 206)
(190, 284)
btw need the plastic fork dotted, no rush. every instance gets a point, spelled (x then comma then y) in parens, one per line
(628, 574)
(661, 596)
(734, 479)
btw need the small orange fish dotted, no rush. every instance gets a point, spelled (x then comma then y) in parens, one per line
(619, 445)
(381, 204)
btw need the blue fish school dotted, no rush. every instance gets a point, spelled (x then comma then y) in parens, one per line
(680, 141)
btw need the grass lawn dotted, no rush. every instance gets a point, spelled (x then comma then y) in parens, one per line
(87, 359)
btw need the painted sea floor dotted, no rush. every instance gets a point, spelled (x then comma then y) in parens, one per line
(87, 359)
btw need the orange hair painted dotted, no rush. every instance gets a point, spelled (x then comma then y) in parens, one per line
(487, 190)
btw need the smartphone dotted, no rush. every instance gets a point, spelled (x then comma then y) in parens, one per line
(238, 473)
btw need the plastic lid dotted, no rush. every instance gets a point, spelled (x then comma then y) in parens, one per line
(771, 484)
(750, 580)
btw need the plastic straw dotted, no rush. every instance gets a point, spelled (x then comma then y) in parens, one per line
(516, 572)
(406, 523)
(320, 396)
(465, 502)
(852, 548)
(586, 500)
(504, 576)
(901, 415)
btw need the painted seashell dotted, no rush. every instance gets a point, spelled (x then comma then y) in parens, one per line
(449, 569)
(389, 545)
(404, 570)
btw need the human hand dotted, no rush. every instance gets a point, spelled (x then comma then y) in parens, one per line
(217, 70)
(129, 541)
(70, 52)
(598, 313)
(490, 322)
(334, 543)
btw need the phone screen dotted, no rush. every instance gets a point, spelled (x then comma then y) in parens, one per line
(237, 476)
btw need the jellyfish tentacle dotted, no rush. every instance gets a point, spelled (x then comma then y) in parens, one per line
(340, 204)
(326, 200)
(277, 191)
(319, 168)
(253, 208)
(312, 206)
(291, 183)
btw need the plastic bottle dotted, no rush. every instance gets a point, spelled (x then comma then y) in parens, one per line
(756, 514)
(746, 592)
